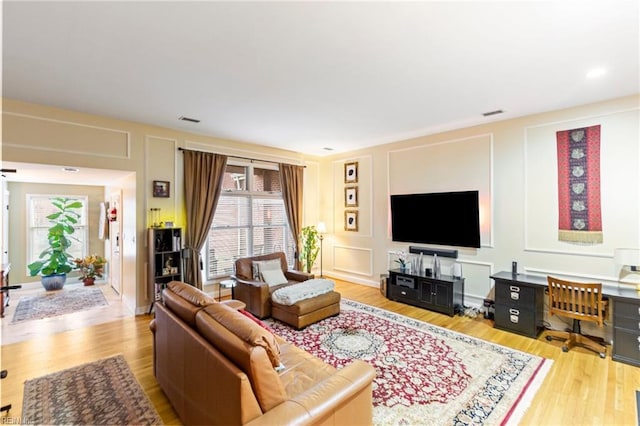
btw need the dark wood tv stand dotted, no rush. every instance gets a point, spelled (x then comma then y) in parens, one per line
(443, 294)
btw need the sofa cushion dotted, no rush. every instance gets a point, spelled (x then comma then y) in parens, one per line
(260, 266)
(302, 370)
(253, 349)
(185, 300)
(191, 294)
(248, 331)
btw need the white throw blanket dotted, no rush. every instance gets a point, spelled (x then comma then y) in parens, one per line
(305, 290)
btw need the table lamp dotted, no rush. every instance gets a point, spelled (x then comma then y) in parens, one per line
(629, 258)
(322, 229)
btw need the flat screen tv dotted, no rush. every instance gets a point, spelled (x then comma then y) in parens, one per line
(443, 218)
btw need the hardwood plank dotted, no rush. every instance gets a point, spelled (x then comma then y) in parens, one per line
(581, 388)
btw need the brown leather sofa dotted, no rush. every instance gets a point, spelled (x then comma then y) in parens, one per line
(257, 294)
(216, 366)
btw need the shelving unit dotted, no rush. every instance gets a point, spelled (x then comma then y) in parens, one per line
(165, 258)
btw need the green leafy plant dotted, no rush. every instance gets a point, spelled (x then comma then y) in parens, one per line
(310, 248)
(90, 266)
(402, 258)
(55, 259)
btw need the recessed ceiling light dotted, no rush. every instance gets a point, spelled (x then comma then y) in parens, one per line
(596, 72)
(70, 170)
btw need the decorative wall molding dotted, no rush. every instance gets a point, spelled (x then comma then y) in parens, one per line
(449, 156)
(110, 143)
(169, 149)
(365, 196)
(346, 257)
(608, 280)
(540, 211)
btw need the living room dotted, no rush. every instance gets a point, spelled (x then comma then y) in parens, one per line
(511, 159)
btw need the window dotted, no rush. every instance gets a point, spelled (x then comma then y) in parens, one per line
(38, 208)
(247, 222)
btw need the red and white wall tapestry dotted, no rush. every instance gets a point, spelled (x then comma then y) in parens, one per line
(580, 216)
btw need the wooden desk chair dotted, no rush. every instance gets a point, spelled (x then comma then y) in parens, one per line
(581, 302)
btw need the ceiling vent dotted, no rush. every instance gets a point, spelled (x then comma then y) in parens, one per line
(490, 113)
(192, 120)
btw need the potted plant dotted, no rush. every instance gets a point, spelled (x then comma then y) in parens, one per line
(90, 267)
(402, 259)
(309, 241)
(55, 262)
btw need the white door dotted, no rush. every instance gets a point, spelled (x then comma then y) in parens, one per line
(115, 233)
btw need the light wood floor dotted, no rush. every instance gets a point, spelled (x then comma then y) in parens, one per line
(580, 389)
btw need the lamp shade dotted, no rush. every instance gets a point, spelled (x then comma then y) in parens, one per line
(627, 256)
(322, 228)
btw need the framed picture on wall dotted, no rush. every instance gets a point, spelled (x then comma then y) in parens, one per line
(351, 196)
(351, 172)
(351, 220)
(161, 189)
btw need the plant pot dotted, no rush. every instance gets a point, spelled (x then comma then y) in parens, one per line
(89, 281)
(53, 282)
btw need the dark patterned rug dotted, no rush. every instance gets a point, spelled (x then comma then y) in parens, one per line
(54, 303)
(103, 392)
(424, 374)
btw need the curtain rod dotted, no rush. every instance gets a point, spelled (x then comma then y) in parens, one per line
(247, 158)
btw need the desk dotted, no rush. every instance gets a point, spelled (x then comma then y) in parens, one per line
(520, 309)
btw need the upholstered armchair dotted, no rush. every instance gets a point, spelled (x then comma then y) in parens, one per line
(259, 276)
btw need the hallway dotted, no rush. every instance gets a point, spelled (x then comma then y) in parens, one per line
(27, 330)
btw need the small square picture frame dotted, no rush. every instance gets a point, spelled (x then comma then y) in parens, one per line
(351, 172)
(351, 196)
(161, 189)
(351, 220)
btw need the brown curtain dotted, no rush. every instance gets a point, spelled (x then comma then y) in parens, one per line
(203, 174)
(291, 178)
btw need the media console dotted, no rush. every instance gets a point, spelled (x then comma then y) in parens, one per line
(443, 294)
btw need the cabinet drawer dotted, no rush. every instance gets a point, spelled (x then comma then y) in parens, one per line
(515, 295)
(630, 324)
(626, 346)
(404, 281)
(511, 318)
(626, 309)
(399, 292)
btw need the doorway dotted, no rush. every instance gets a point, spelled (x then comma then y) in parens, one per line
(112, 183)
(115, 242)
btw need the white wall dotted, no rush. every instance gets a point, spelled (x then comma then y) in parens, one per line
(513, 164)
(517, 186)
(34, 133)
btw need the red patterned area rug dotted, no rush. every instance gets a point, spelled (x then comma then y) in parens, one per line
(425, 374)
(103, 392)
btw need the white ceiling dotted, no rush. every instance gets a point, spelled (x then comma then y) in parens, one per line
(308, 75)
(59, 174)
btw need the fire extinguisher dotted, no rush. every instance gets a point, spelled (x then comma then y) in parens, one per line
(113, 214)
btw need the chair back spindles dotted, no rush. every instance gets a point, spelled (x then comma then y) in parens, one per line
(581, 301)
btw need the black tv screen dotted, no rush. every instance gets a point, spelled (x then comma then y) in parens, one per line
(443, 218)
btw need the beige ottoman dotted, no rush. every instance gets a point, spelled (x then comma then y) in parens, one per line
(307, 311)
